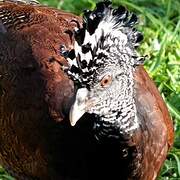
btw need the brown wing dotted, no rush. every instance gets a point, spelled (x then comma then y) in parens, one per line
(34, 91)
(157, 127)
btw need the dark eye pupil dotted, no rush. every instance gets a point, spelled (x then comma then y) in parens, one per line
(105, 81)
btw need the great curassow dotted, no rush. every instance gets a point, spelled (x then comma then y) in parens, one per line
(52, 76)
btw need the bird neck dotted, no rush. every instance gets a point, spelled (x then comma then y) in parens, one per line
(122, 119)
(126, 117)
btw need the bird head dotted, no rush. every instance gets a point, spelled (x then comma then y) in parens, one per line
(102, 64)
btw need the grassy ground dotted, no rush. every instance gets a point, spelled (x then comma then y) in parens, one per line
(160, 23)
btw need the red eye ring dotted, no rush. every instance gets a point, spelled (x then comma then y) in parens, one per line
(106, 81)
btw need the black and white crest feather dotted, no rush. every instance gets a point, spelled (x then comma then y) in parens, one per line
(105, 31)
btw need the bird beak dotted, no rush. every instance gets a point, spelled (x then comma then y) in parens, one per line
(79, 106)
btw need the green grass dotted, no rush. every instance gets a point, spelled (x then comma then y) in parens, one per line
(160, 24)
(4, 175)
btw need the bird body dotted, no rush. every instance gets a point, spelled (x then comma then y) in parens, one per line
(39, 91)
(31, 83)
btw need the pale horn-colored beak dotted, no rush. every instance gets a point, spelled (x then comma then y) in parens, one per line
(79, 106)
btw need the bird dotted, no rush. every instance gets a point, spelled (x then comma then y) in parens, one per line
(76, 102)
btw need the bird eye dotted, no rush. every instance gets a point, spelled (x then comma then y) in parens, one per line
(106, 81)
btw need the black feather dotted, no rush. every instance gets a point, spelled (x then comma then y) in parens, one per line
(79, 36)
(132, 21)
(71, 54)
(93, 18)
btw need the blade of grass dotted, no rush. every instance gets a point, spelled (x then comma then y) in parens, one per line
(172, 109)
(156, 63)
(177, 161)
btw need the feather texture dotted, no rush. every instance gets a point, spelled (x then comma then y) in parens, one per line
(102, 28)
